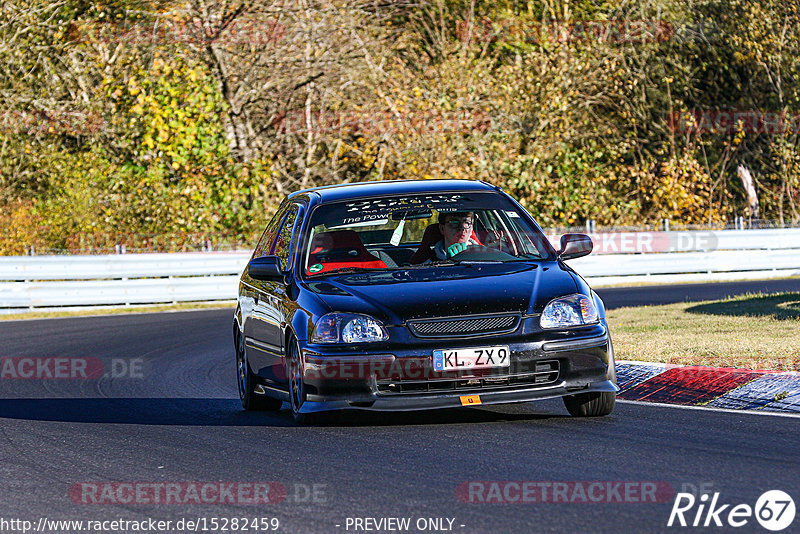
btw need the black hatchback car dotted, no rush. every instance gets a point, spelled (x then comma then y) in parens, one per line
(410, 295)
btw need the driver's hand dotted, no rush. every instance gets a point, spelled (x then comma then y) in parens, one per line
(455, 248)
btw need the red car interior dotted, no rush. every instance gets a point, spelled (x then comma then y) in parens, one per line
(340, 249)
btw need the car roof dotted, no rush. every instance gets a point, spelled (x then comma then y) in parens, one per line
(332, 193)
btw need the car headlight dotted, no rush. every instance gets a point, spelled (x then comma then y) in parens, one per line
(572, 310)
(348, 328)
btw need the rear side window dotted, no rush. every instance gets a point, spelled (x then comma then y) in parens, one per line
(262, 249)
(283, 243)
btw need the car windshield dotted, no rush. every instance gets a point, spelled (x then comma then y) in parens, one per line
(433, 230)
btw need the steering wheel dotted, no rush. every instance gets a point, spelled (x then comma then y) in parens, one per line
(481, 253)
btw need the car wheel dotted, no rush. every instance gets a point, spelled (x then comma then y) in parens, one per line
(590, 404)
(297, 390)
(247, 383)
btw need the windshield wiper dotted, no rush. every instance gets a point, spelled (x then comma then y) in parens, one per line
(478, 262)
(529, 257)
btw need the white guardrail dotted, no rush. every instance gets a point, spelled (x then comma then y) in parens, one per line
(32, 282)
(36, 282)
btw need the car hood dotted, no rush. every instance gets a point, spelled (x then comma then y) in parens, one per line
(399, 296)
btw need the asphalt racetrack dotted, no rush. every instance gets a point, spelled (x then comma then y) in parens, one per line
(162, 408)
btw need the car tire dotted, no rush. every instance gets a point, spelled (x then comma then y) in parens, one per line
(246, 381)
(595, 404)
(297, 393)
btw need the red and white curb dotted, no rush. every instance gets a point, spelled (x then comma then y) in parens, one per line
(718, 387)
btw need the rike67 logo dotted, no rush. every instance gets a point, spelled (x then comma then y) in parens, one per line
(774, 510)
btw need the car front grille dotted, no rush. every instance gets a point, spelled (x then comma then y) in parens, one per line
(465, 326)
(540, 373)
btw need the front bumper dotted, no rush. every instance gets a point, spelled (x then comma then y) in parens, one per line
(428, 402)
(403, 379)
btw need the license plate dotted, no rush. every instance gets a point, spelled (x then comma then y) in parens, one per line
(479, 358)
(470, 400)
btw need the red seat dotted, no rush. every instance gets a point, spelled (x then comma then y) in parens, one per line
(340, 249)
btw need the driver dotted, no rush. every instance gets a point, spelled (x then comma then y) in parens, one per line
(456, 228)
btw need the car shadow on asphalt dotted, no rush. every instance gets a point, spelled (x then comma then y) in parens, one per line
(228, 412)
(447, 416)
(784, 306)
(140, 411)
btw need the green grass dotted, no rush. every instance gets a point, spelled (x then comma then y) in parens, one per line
(183, 306)
(752, 331)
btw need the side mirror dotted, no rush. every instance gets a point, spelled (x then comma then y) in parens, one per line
(266, 268)
(575, 246)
